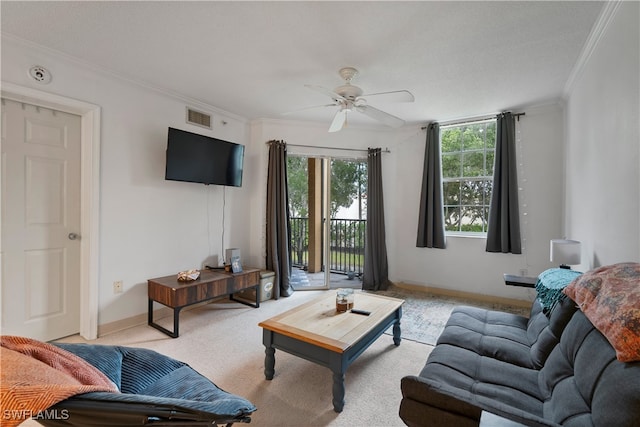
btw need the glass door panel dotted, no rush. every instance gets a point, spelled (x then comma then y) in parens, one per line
(327, 202)
(306, 182)
(347, 219)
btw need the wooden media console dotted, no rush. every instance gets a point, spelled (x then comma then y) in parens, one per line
(211, 284)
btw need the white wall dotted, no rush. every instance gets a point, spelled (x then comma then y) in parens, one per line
(149, 227)
(464, 265)
(603, 145)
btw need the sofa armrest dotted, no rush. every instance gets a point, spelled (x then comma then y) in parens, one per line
(421, 400)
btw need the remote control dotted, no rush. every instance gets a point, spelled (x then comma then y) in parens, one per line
(363, 312)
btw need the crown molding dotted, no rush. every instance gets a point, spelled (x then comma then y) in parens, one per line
(192, 102)
(599, 29)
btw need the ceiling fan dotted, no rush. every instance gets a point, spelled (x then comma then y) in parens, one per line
(349, 97)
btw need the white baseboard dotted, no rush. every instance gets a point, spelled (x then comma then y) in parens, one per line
(464, 294)
(142, 319)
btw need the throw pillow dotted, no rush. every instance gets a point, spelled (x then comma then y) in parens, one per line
(609, 297)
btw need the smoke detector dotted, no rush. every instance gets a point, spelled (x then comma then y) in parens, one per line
(40, 74)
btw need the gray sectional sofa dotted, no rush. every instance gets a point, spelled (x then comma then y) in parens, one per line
(545, 370)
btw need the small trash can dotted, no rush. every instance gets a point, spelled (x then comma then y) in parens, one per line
(265, 288)
(266, 284)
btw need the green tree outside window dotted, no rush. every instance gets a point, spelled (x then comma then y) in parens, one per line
(468, 153)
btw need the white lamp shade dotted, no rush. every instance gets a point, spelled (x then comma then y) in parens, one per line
(565, 252)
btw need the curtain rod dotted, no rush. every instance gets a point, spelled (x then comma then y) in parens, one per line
(481, 119)
(386, 150)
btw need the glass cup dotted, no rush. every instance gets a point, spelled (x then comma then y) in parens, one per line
(344, 300)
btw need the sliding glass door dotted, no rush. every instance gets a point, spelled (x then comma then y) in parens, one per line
(347, 222)
(327, 200)
(307, 179)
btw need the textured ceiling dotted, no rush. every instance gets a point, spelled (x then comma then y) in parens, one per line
(459, 59)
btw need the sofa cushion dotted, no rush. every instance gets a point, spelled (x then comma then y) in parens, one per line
(466, 369)
(505, 336)
(490, 333)
(583, 383)
(544, 334)
(459, 375)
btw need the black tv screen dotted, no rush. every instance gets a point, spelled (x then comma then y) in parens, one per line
(202, 159)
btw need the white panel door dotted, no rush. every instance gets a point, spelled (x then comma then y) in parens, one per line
(40, 221)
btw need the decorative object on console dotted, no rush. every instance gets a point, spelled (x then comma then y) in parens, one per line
(236, 266)
(566, 252)
(230, 253)
(233, 258)
(188, 276)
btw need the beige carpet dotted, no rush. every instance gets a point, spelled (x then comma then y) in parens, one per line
(424, 314)
(223, 342)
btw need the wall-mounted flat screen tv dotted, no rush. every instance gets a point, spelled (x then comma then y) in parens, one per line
(202, 159)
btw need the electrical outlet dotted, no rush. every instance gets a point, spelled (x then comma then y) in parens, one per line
(524, 272)
(117, 287)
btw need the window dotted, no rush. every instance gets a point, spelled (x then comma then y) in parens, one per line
(468, 152)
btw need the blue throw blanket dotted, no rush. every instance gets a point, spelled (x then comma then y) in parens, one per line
(550, 284)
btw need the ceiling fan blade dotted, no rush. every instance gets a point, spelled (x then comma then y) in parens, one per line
(338, 120)
(331, 94)
(309, 108)
(386, 118)
(393, 96)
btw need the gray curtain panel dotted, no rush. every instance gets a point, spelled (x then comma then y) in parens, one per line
(503, 232)
(431, 215)
(376, 268)
(278, 222)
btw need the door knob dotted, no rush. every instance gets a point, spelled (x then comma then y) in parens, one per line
(73, 236)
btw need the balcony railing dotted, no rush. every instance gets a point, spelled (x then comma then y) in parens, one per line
(347, 244)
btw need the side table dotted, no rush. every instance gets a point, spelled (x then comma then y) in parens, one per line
(523, 281)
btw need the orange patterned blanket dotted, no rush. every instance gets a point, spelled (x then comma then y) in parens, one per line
(36, 375)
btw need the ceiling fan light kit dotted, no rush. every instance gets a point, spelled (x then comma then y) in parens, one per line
(350, 97)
